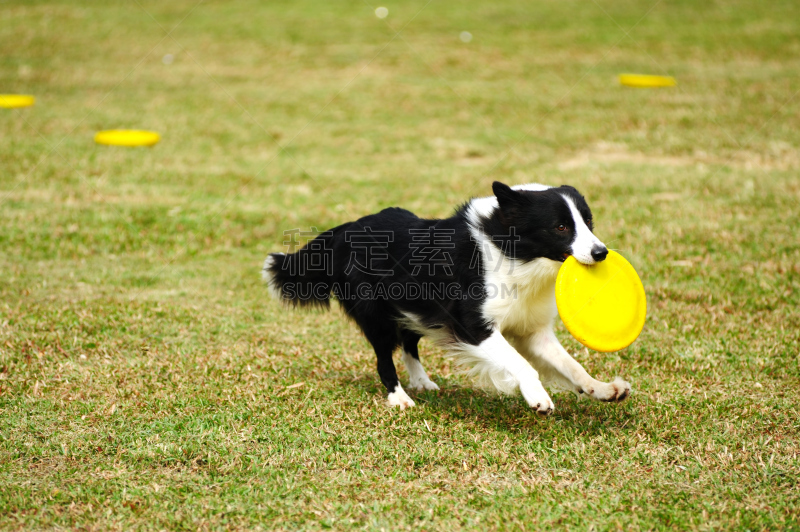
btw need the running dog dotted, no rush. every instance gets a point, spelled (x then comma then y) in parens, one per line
(480, 283)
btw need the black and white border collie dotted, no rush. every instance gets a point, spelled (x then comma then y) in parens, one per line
(481, 284)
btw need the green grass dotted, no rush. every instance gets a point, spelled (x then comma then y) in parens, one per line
(146, 378)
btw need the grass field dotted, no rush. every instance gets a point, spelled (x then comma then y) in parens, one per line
(148, 382)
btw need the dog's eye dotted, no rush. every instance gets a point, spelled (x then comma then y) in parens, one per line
(561, 227)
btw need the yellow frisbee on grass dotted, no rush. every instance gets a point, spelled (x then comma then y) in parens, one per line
(641, 80)
(12, 101)
(127, 137)
(603, 306)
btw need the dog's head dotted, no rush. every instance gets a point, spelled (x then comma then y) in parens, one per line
(548, 222)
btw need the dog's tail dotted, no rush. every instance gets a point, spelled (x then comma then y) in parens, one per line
(304, 278)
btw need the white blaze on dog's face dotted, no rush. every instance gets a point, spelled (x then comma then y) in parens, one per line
(586, 248)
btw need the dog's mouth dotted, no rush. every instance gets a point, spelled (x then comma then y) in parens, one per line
(564, 257)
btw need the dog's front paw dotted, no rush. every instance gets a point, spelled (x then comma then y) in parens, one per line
(536, 396)
(400, 398)
(423, 383)
(611, 392)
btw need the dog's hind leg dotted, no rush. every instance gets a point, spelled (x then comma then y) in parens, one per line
(383, 337)
(552, 361)
(381, 330)
(417, 377)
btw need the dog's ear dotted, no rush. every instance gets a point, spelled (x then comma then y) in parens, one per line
(510, 201)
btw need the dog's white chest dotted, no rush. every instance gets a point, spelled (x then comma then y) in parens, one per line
(521, 296)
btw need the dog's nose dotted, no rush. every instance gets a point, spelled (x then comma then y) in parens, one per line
(599, 253)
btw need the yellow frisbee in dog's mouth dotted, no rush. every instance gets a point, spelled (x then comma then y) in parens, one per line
(642, 80)
(12, 101)
(603, 306)
(127, 137)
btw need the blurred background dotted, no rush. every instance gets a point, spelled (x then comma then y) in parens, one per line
(276, 115)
